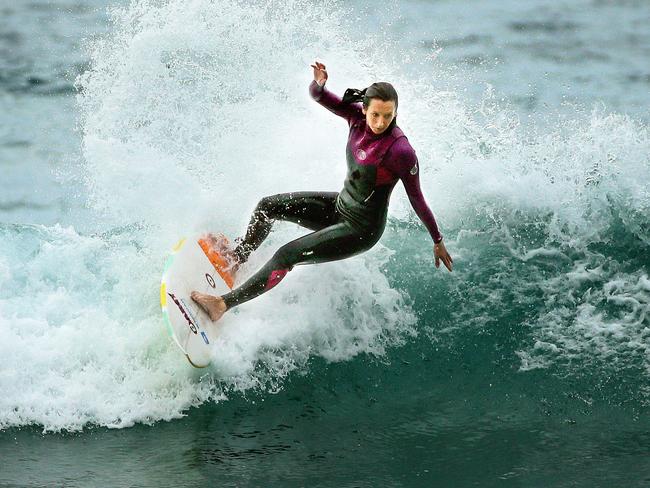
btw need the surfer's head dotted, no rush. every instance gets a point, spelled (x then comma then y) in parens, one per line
(379, 104)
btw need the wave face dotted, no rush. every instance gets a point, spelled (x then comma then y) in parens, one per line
(190, 112)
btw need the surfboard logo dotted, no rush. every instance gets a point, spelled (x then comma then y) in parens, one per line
(205, 337)
(210, 280)
(189, 320)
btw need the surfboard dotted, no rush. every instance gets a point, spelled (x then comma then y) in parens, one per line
(194, 264)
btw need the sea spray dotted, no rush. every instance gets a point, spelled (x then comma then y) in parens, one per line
(183, 132)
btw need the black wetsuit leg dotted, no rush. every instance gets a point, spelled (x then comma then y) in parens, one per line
(336, 238)
(313, 210)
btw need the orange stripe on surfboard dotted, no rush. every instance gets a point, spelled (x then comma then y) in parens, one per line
(218, 261)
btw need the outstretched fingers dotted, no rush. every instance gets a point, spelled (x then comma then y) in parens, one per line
(319, 67)
(441, 254)
(447, 261)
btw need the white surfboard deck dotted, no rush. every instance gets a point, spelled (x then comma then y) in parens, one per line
(188, 269)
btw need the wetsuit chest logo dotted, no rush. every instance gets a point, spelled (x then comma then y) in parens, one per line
(361, 154)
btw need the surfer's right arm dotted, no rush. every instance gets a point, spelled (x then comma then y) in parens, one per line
(328, 99)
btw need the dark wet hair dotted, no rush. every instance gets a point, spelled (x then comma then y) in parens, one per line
(382, 90)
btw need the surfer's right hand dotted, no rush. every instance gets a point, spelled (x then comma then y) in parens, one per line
(320, 73)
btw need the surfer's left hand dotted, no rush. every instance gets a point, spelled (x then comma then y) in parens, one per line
(441, 254)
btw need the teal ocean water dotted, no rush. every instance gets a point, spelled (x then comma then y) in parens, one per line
(128, 124)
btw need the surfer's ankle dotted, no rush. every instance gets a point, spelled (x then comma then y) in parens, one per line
(221, 308)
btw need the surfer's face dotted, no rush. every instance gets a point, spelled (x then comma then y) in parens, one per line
(379, 114)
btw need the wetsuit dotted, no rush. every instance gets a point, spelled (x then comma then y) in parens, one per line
(344, 223)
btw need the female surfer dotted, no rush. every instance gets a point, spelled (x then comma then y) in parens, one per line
(344, 223)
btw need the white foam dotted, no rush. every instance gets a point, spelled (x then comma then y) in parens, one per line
(190, 114)
(208, 101)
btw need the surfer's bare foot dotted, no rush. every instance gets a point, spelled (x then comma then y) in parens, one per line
(214, 306)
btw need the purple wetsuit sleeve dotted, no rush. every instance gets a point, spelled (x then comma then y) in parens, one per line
(402, 161)
(333, 103)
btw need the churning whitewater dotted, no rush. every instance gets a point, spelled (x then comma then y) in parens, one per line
(189, 114)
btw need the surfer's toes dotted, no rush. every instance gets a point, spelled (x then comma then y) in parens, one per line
(215, 307)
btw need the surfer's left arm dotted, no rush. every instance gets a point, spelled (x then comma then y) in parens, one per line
(405, 164)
